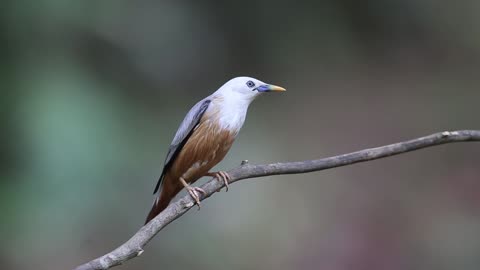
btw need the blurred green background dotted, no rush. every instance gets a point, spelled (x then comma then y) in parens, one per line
(93, 91)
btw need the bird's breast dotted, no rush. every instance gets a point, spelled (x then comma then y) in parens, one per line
(207, 146)
(228, 114)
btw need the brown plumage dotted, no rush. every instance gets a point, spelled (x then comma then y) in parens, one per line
(206, 147)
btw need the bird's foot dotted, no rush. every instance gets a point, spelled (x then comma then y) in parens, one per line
(194, 191)
(221, 176)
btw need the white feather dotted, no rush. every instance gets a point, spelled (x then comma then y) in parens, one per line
(232, 101)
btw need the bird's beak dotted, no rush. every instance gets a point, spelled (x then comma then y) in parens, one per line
(275, 88)
(270, 88)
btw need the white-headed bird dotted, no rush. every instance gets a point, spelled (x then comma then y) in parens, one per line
(204, 138)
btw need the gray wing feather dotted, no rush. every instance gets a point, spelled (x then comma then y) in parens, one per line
(188, 124)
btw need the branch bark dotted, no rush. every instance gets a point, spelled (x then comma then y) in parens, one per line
(134, 246)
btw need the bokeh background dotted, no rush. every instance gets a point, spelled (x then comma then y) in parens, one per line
(93, 91)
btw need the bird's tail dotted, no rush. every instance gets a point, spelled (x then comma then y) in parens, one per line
(158, 206)
(165, 195)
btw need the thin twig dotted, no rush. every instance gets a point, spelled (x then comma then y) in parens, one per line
(134, 246)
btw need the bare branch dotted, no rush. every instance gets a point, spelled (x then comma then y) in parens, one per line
(134, 246)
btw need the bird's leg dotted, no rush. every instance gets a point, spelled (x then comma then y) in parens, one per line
(221, 176)
(193, 191)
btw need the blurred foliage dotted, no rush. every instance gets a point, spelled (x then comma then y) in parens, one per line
(92, 92)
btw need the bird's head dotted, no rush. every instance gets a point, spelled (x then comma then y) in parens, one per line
(248, 88)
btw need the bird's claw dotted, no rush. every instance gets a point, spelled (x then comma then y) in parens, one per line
(222, 176)
(193, 191)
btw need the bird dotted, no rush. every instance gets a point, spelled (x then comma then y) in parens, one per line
(203, 139)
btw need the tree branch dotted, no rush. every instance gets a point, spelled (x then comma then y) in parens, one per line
(134, 246)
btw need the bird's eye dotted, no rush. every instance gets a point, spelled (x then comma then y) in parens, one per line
(250, 84)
